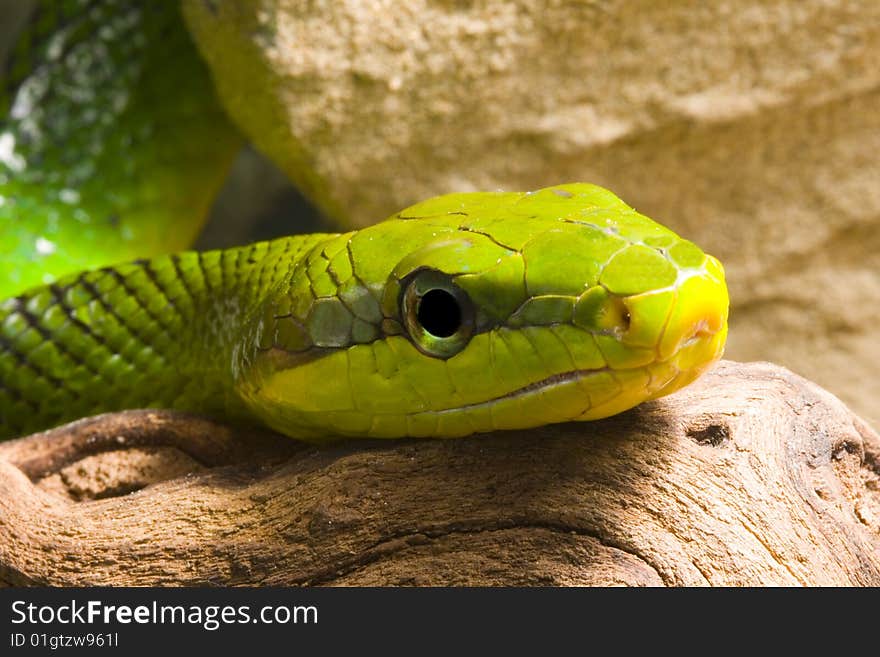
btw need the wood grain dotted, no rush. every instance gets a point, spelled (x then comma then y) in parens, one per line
(751, 476)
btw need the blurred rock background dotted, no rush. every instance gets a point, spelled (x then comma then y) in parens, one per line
(749, 126)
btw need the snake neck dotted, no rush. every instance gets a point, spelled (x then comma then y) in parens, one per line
(159, 333)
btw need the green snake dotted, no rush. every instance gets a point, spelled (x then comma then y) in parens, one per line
(466, 313)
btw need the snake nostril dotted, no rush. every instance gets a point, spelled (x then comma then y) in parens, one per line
(699, 331)
(602, 312)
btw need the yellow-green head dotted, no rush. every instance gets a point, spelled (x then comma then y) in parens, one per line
(482, 311)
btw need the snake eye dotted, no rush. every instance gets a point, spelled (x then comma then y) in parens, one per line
(438, 315)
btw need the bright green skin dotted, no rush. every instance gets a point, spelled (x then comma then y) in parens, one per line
(582, 307)
(306, 334)
(112, 144)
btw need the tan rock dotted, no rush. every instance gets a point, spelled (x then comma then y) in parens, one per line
(751, 127)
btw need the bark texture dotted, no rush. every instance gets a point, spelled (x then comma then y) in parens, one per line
(751, 476)
(750, 127)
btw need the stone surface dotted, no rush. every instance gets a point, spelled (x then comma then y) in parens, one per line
(751, 127)
(750, 476)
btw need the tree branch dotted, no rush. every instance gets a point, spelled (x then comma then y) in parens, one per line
(752, 475)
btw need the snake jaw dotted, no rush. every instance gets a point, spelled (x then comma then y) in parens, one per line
(576, 316)
(605, 354)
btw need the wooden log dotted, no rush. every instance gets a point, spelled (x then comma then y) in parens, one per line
(751, 476)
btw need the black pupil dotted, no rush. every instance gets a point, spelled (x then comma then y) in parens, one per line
(439, 313)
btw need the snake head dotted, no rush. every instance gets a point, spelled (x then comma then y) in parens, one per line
(476, 312)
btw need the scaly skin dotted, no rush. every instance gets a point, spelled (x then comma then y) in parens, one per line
(572, 307)
(466, 313)
(112, 143)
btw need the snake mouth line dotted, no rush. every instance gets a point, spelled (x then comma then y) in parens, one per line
(551, 381)
(701, 333)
